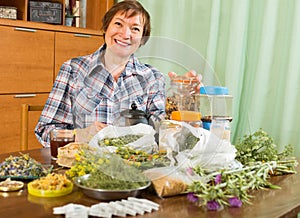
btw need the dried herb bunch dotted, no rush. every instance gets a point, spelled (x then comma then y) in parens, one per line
(107, 171)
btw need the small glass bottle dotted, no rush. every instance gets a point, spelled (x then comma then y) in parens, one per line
(221, 128)
(183, 99)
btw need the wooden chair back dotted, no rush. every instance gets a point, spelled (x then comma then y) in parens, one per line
(25, 109)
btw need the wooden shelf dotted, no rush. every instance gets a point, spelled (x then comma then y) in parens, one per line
(95, 10)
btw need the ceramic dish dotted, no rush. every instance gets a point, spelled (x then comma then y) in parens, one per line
(49, 193)
(10, 185)
(108, 195)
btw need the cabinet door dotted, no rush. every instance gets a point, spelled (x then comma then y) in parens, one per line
(26, 60)
(10, 110)
(69, 45)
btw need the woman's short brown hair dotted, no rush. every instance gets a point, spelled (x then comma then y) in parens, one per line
(130, 8)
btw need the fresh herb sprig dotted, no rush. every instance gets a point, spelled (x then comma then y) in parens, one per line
(230, 188)
(260, 146)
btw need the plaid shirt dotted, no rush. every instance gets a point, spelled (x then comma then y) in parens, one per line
(84, 92)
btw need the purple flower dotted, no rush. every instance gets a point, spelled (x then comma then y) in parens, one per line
(218, 179)
(190, 171)
(192, 197)
(235, 202)
(213, 205)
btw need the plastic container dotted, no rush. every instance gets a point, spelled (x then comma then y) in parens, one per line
(49, 193)
(215, 103)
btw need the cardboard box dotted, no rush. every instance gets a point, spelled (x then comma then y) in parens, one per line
(8, 12)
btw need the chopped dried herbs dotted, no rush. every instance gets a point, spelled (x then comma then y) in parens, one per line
(21, 166)
(119, 141)
(186, 139)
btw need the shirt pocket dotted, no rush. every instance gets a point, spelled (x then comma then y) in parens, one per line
(87, 100)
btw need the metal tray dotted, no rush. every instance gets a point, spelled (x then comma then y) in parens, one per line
(107, 195)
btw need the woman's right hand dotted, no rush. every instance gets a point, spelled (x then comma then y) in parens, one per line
(86, 134)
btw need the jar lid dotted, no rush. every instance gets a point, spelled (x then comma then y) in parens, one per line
(213, 90)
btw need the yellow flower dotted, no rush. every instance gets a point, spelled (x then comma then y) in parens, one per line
(155, 156)
(77, 157)
(100, 161)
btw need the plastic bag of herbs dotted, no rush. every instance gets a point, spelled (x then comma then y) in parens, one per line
(107, 171)
(138, 137)
(170, 181)
(190, 146)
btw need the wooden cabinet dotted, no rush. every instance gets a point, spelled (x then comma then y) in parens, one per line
(26, 60)
(68, 45)
(10, 110)
(31, 55)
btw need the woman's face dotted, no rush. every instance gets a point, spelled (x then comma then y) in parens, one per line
(123, 35)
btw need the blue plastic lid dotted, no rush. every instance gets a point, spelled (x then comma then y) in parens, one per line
(214, 90)
(206, 125)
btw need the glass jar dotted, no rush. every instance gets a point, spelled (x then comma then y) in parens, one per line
(215, 103)
(167, 130)
(183, 99)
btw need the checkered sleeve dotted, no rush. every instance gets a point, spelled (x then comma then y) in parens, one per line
(58, 106)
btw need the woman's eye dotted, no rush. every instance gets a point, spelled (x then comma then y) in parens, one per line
(136, 29)
(118, 23)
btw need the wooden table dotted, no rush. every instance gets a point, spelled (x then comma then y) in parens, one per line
(266, 203)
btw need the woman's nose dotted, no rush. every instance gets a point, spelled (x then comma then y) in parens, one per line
(126, 32)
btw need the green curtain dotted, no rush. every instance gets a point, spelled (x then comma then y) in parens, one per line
(250, 46)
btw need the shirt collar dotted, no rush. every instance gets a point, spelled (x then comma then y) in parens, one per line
(130, 68)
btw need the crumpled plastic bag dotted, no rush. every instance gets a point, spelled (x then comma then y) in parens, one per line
(170, 181)
(209, 152)
(146, 143)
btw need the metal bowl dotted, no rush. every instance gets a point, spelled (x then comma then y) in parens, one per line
(108, 195)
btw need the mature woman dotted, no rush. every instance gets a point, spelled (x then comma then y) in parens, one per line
(91, 91)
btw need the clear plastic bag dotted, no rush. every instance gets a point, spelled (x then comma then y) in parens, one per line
(169, 181)
(145, 143)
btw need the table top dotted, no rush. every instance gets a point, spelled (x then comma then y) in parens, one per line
(284, 202)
